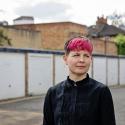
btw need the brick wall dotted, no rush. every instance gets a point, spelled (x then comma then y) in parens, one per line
(54, 35)
(104, 47)
(23, 38)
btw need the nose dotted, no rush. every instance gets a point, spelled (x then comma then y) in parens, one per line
(82, 59)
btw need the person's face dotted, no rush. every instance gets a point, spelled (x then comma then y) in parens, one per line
(78, 62)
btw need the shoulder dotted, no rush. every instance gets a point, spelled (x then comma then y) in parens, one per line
(58, 85)
(101, 89)
(98, 85)
(56, 88)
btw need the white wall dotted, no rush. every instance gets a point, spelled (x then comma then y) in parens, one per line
(99, 69)
(61, 70)
(112, 71)
(45, 70)
(122, 71)
(12, 75)
(19, 22)
(39, 73)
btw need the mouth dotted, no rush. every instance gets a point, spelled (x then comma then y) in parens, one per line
(81, 66)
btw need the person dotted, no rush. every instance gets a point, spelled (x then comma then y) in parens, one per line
(78, 100)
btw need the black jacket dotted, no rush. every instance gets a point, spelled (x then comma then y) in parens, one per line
(86, 102)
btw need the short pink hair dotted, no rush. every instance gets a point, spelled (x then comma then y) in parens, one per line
(77, 44)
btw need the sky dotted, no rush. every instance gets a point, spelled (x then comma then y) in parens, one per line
(83, 12)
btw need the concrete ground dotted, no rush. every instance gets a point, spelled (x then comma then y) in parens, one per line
(28, 111)
(119, 104)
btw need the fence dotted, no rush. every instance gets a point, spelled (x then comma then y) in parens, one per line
(31, 72)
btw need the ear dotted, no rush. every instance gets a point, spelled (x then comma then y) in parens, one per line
(65, 58)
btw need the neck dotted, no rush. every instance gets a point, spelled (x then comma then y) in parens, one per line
(77, 77)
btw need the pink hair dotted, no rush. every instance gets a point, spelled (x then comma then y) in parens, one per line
(80, 43)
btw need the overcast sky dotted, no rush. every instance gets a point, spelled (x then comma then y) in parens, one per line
(80, 11)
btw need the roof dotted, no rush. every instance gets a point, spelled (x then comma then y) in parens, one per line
(62, 22)
(4, 23)
(24, 18)
(102, 30)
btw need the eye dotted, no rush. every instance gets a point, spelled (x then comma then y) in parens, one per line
(86, 55)
(75, 55)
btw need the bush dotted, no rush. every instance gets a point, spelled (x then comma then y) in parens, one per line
(120, 42)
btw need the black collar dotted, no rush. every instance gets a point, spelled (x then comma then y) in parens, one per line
(78, 83)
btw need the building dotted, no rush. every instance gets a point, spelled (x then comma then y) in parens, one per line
(54, 35)
(102, 29)
(21, 38)
(3, 23)
(102, 35)
(23, 20)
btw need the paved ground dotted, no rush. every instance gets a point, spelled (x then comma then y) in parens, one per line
(119, 104)
(29, 111)
(22, 112)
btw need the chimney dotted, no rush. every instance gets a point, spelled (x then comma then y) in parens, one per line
(101, 20)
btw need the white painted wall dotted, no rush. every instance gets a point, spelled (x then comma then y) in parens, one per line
(19, 22)
(112, 72)
(61, 70)
(122, 71)
(40, 73)
(99, 69)
(12, 75)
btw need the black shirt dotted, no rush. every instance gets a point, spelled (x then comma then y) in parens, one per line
(86, 102)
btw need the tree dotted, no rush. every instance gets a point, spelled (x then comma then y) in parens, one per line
(120, 42)
(4, 40)
(116, 19)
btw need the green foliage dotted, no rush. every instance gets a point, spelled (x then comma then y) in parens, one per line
(4, 40)
(120, 42)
